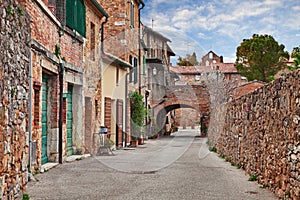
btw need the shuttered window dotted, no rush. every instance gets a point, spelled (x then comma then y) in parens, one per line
(132, 14)
(144, 65)
(135, 70)
(76, 16)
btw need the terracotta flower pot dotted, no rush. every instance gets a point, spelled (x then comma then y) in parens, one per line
(134, 143)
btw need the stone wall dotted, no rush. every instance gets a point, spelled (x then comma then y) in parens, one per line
(14, 89)
(260, 132)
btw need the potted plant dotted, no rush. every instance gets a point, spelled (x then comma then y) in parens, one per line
(138, 114)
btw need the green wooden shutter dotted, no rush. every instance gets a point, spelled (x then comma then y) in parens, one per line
(132, 15)
(81, 18)
(75, 18)
(70, 12)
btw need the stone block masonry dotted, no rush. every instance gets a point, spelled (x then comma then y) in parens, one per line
(14, 90)
(260, 132)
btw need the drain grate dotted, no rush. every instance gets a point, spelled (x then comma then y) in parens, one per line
(252, 192)
(143, 172)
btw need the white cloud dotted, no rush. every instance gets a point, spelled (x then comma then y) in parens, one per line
(223, 24)
(297, 8)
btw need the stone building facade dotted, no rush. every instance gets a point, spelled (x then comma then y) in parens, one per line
(260, 132)
(56, 47)
(14, 97)
(95, 17)
(121, 58)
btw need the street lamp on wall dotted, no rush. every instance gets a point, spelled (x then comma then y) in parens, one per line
(154, 71)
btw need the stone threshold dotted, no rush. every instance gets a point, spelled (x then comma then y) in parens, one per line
(45, 167)
(76, 157)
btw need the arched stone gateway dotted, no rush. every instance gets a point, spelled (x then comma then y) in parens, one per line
(183, 96)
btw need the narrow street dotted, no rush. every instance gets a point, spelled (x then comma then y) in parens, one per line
(175, 167)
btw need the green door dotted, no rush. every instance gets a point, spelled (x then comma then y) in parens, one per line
(44, 119)
(69, 121)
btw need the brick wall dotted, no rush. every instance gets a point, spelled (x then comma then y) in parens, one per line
(260, 131)
(14, 89)
(40, 21)
(46, 33)
(120, 39)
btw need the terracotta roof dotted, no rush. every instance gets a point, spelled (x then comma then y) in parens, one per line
(226, 67)
(190, 69)
(246, 88)
(115, 59)
(148, 29)
(223, 67)
(170, 51)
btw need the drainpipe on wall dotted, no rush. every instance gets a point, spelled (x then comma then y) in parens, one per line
(60, 123)
(140, 62)
(30, 115)
(126, 107)
(102, 34)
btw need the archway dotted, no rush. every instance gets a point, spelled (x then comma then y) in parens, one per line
(186, 96)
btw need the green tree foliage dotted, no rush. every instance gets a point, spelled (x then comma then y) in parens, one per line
(296, 56)
(260, 57)
(138, 113)
(189, 60)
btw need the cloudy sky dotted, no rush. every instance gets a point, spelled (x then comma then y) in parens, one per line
(221, 25)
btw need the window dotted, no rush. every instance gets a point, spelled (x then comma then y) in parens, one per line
(133, 76)
(132, 14)
(93, 41)
(131, 71)
(210, 55)
(207, 63)
(96, 108)
(75, 18)
(135, 70)
(117, 76)
(36, 107)
(144, 65)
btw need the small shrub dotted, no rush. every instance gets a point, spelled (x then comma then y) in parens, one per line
(20, 10)
(226, 159)
(233, 164)
(238, 166)
(263, 186)
(26, 196)
(222, 156)
(213, 149)
(252, 178)
(9, 10)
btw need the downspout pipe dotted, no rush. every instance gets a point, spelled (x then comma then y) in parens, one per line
(102, 34)
(30, 115)
(140, 60)
(126, 107)
(60, 122)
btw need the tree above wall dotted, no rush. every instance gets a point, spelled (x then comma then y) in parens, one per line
(260, 57)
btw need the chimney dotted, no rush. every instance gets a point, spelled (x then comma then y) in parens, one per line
(221, 59)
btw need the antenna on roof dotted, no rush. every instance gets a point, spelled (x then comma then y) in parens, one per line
(152, 22)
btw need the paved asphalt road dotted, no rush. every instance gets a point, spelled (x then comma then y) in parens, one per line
(178, 167)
